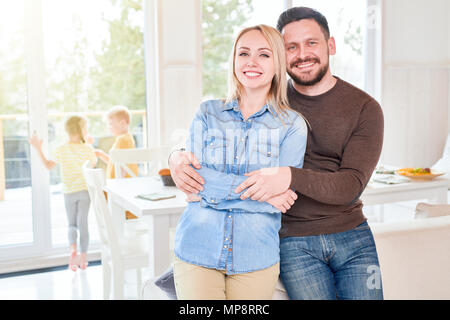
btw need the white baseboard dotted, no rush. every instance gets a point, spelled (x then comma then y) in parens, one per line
(34, 263)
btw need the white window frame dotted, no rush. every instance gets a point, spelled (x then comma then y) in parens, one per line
(373, 48)
(36, 107)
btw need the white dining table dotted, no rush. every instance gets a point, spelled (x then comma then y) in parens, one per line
(163, 214)
(432, 191)
(160, 216)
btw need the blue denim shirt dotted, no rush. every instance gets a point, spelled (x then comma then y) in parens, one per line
(222, 231)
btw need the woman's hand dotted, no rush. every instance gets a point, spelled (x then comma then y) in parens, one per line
(283, 201)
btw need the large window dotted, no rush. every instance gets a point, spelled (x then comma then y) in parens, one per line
(222, 19)
(59, 58)
(94, 59)
(16, 223)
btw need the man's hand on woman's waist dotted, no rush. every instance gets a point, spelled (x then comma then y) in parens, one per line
(183, 174)
(265, 183)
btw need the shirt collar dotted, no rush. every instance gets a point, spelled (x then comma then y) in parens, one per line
(231, 105)
(235, 106)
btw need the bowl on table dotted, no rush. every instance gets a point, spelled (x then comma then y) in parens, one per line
(166, 177)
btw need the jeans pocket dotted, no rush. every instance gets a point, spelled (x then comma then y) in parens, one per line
(362, 226)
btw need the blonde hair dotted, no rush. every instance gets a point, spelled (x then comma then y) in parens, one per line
(121, 112)
(75, 125)
(277, 96)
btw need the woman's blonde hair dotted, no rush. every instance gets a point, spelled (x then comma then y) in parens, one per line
(277, 96)
(74, 126)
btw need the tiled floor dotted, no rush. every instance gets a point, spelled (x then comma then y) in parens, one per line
(62, 285)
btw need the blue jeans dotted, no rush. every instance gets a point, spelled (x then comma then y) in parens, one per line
(342, 265)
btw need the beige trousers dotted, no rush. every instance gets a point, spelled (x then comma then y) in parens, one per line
(193, 282)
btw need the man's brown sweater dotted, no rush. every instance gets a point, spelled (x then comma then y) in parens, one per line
(344, 145)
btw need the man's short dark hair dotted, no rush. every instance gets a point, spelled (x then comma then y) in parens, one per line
(300, 13)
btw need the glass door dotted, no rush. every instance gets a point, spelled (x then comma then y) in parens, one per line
(59, 58)
(94, 60)
(16, 218)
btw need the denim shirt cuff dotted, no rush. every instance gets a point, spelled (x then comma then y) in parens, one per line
(211, 202)
(214, 192)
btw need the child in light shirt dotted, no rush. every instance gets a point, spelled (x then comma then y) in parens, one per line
(119, 118)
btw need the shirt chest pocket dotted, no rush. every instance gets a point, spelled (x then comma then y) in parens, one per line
(214, 152)
(264, 155)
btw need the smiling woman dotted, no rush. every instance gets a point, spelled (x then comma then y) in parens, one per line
(254, 63)
(218, 256)
(222, 20)
(259, 65)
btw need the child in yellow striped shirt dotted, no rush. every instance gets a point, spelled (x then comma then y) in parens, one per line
(71, 157)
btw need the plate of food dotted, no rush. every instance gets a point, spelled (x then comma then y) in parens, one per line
(419, 173)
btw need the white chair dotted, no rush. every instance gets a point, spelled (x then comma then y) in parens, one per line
(154, 158)
(117, 255)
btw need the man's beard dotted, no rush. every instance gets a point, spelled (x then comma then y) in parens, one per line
(312, 81)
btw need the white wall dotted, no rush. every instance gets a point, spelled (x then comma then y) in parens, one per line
(174, 68)
(416, 31)
(415, 81)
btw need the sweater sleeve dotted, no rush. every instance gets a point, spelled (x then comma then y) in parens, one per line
(359, 159)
